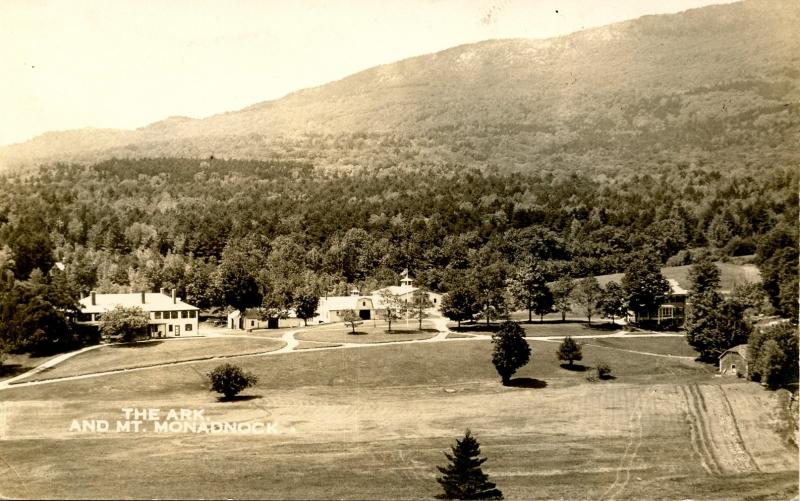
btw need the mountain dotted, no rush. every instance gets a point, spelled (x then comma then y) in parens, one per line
(719, 85)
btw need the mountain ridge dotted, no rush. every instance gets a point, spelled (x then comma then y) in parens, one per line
(690, 83)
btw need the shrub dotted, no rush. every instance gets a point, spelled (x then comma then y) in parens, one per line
(603, 370)
(229, 380)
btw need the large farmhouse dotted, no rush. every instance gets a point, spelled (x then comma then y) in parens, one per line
(674, 310)
(168, 315)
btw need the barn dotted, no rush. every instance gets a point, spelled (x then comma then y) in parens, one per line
(733, 361)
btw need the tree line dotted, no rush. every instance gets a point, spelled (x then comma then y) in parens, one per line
(276, 234)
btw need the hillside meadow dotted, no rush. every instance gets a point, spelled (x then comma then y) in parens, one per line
(373, 423)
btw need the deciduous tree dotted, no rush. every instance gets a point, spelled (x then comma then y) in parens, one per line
(230, 380)
(588, 294)
(459, 304)
(613, 303)
(124, 323)
(562, 295)
(511, 351)
(644, 285)
(352, 319)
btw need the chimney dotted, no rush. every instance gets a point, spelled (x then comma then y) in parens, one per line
(94, 299)
(142, 297)
(174, 299)
(161, 290)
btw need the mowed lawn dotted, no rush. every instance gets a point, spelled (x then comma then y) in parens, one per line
(675, 346)
(369, 333)
(372, 423)
(127, 356)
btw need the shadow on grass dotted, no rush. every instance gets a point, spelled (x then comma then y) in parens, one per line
(551, 321)
(239, 398)
(527, 382)
(476, 328)
(137, 344)
(357, 333)
(575, 367)
(607, 326)
(11, 370)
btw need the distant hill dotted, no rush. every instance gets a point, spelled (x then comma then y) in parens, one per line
(718, 85)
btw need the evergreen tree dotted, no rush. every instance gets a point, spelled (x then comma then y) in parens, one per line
(704, 276)
(569, 351)
(511, 351)
(712, 324)
(463, 478)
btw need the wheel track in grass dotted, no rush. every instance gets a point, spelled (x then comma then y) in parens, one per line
(623, 472)
(697, 431)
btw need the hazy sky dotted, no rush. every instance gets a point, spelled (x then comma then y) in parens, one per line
(113, 63)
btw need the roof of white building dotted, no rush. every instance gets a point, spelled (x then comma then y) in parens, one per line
(338, 303)
(153, 301)
(397, 290)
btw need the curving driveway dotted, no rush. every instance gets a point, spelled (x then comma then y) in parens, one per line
(290, 346)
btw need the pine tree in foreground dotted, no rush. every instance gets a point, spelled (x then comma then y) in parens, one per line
(463, 477)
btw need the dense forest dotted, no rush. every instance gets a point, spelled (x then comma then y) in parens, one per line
(193, 225)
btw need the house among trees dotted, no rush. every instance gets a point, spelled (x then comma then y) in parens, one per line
(733, 361)
(368, 307)
(405, 291)
(253, 318)
(674, 310)
(168, 315)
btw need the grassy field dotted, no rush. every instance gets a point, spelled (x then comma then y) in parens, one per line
(676, 346)
(372, 423)
(730, 275)
(126, 356)
(366, 333)
(305, 345)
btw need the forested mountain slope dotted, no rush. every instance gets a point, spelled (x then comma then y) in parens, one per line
(717, 85)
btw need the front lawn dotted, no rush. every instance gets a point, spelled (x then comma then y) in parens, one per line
(143, 354)
(368, 333)
(676, 346)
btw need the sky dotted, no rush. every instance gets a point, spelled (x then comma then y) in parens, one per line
(126, 63)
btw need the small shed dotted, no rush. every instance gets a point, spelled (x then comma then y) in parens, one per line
(733, 361)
